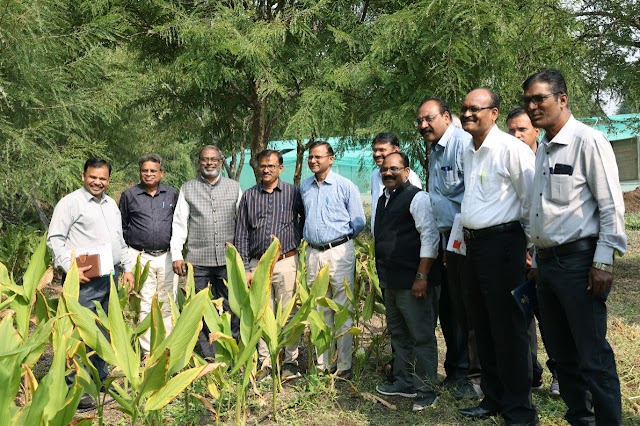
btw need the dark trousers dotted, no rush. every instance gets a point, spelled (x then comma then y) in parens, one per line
(456, 362)
(533, 341)
(495, 266)
(457, 297)
(213, 277)
(575, 324)
(96, 290)
(412, 323)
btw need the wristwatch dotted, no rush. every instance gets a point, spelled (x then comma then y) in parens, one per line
(420, 276)
(603, 267)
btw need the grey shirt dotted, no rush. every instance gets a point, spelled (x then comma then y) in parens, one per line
(80, 220)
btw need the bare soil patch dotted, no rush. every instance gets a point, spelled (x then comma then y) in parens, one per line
(632, 201)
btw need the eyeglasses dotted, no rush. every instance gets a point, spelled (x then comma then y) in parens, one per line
(269, 167)
(426, 119)
(473, 109)
(536, 99)
(213, 160)
(393, 169)
(317, 157)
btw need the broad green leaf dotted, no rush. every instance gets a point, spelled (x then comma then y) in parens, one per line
(236, 281)
(121, 337)
(7, 301)
(184, 336)
(369, 303)
(43, 311)
(260, 291)
(347, 290)
(158, 333)
(71, 286)
(321, 283)
(4, 275)
(85, 322)
(325, 302)
(154, 375)
(37, 266)
(143, 326)
(341, 317)
(270, 330)
(247, 351)
(175, 386)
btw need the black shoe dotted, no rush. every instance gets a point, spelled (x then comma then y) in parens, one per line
(86, 402)
(465, 391)
(344, 374)
(477, 413)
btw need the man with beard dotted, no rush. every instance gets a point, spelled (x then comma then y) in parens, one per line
(333, 218)
(272, 208)
(205, 218)
(519, 125)
(384, 144)
(406, 243)
(446, 189)
(147, 210)
(495, 216)
(577, 226)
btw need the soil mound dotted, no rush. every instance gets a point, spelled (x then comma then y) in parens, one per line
(632, 201)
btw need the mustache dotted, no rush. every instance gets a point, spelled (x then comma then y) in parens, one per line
(388, 177)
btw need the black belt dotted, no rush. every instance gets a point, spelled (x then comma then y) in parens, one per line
(568, 248)
(473, 234)
(331, 244)
(151, 252)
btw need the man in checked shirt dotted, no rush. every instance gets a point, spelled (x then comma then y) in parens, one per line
(272, 207)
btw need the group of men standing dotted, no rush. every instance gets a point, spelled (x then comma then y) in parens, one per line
(566, 202)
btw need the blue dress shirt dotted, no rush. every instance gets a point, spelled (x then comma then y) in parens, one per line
(333, 209)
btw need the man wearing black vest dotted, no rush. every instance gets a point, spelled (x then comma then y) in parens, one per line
(205, 217)
(406, 243)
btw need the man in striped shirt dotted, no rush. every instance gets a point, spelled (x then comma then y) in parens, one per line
(272, 208)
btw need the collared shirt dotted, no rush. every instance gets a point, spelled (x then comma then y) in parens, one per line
(333, 209)
(262, 214)
(180, 226)
(446, 176)
(497, 180)
(146, 218)
(422, 214)
(582, 201)
(81, 220)
(377, 187)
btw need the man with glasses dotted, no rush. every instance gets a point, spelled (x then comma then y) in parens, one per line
(205, 218)
(519, 125)
(384, 144)
(446, 189)
(334, 216)
(272, 208)
(406, 243)
(147, 211)
(495, 215)
(577, 226)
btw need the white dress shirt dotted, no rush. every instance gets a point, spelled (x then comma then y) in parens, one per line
(497, 179)
(585, 203)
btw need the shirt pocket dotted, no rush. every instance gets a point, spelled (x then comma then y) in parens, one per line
(449, 178)
(491, 188)
(561, 188)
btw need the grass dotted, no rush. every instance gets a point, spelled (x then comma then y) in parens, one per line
(313, 400)
(343, 404)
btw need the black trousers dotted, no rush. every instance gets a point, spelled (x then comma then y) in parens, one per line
(214, 276)
(575, 324)
(456, 362)
(495, 266)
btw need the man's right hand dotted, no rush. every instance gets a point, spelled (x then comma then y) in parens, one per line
(83, 278)
(179, 267)
(249, 278)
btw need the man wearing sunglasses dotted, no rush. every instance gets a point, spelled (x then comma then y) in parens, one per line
(495, 215)
(577, 226)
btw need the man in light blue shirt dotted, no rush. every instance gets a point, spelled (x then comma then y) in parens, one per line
(446, 189)
(334, 216)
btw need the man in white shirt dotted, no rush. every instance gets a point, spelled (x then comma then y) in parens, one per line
(495, 215)
(577, 226)
(384, 144)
